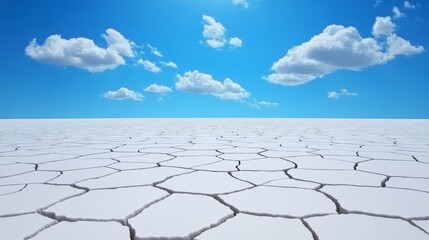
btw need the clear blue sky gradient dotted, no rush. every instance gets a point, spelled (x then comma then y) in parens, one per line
(268, 29)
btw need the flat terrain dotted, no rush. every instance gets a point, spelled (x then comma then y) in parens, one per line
(214, 179)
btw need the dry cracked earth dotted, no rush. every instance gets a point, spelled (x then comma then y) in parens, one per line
(214, 179)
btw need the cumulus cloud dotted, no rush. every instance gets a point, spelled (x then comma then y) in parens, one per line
(400, 46)
(409, 5)
(263, 104)
(148, 65)
(155, 88)
(397, 13)
(214, 34)
(243, 3)
(383, 26)
(169, 64)
(155, 51)
(201, 83)
(123, 94)
(235, 42)
(82, 52)
(342, 93)
(339, 47)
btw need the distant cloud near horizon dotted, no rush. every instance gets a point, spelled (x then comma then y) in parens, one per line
(337, 48)
(214, 35)
(82, 52)
(202, 83)
(342, 93)
(123, 94)
(263, 104)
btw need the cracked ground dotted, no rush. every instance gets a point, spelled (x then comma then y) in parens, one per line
(214, 179)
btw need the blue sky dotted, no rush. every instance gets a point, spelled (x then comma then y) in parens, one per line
(214, 58)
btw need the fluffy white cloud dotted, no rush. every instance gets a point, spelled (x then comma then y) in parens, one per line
(383, 26)
(395, 45)
(155, 88)
(333, 95)
(119, 43)
(261, 104)
(155, 51)
(82, 52)
(201, 83)
(215, 43)
(397, 13)
(148, 65)
(214, 34)
(342, 93)
(339, 47)
(400, 46)
(243, 3)
(213, 29)
(235, 42)
(409, 5)
(123, 94)
(169, 64)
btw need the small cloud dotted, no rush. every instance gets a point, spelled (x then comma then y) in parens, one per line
(333, 95)
(155, 51)
(82, 52)
(340, 48)
(214, 34)
(378, 2)
(243, 3)
(123, 94)
(235, 42)
(148, 65)
(383, 26)
(342, 93)
(397, 13)
(409, 5)
(169, 64)
(160, 99)
(201, 83)
(155, 88)
(265, 104)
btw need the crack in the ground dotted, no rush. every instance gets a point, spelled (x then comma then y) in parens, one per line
(262, 214)
(54, 222)
(338, 208)
(241, 180)
(25, 185)
(383, 183)
(238, 165)
(313, 233)
(409, 220)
